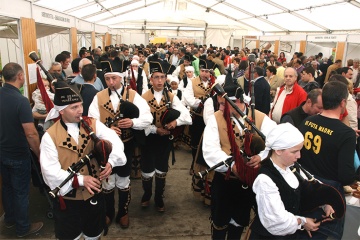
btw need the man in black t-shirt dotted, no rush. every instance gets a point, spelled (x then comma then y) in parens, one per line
(17, 133)
(329, 147)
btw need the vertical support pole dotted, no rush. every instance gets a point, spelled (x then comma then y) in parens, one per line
(28, 37)
(276, 47)
(73, 38)
(340, 49)
(93, 44)
(302, 46)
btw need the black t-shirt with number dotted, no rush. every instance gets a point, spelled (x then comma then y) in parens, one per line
(329, 148)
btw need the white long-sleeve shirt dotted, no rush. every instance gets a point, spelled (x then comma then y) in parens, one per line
(145, 117)
(208, 109)
(49, 159)
(183, 119)
(271, 209)
(188, 95)
(212, 151)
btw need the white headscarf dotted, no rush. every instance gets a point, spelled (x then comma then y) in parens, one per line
(283, 136)
(189, 69)
(55, 112)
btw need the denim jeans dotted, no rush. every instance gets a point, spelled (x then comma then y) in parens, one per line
(15, 192)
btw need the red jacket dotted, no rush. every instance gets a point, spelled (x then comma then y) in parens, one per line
(292, 100)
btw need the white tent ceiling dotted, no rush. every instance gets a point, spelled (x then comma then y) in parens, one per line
(266, 16)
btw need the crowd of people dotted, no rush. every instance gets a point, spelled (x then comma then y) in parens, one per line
(249, 114)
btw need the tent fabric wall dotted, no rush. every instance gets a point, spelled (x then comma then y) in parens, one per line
(218, 37)
(10, 51)
(52, 45)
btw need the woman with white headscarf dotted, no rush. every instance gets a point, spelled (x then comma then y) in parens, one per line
(277, 189)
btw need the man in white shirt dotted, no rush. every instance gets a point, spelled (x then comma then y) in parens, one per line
(81, 206)
(127, 113)
(155, 153)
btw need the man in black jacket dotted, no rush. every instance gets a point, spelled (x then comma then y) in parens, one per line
(312, 106)
(88, 90)
(261, 91)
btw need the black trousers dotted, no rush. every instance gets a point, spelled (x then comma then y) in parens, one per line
(155, 153)
(80, 216)
(230, 200)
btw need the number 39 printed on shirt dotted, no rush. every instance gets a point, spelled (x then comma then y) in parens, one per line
(311, 142)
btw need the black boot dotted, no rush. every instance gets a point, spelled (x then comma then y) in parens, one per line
(122, 216)
(110, 206)
(234, 233)
(147, 187)
(218, 233)
(159, 191)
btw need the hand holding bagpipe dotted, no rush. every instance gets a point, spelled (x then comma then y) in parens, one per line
(74, 169)
(315, 194)
(102, 148)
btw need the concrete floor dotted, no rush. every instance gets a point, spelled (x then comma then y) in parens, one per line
(185, 216)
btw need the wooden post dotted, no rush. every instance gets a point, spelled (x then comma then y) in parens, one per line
(302, 46)
(276, 47)
(103, 42)
(340, 49)
(107, 39)
(28, 36)
(257, 44)
(93, 41)
(73, 38)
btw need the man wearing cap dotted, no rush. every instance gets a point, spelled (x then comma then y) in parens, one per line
(79, 209)
(139, 75)
(155, 153)
(195, 95)
(106, 106)
(231, 201)
(180, 70)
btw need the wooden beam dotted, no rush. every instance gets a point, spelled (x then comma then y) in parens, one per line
(257, 44)
(340, 49)
(74, 46)
(302, 46)
(28, 36)
(276, 47)
(93, 40)
(107, 39)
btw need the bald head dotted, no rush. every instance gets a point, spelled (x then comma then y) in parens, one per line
(290, 76)
(83, 62)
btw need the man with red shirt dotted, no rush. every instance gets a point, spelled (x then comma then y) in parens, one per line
(290, 96)
(227, 60)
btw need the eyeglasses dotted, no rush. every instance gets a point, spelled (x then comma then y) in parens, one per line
(159, 77)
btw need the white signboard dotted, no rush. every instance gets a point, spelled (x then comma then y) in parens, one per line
(326, 38)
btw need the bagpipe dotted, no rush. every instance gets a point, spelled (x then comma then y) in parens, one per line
(101, 152)
(253, 145)
(170, 115)
(315, 194)
(126, 110)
